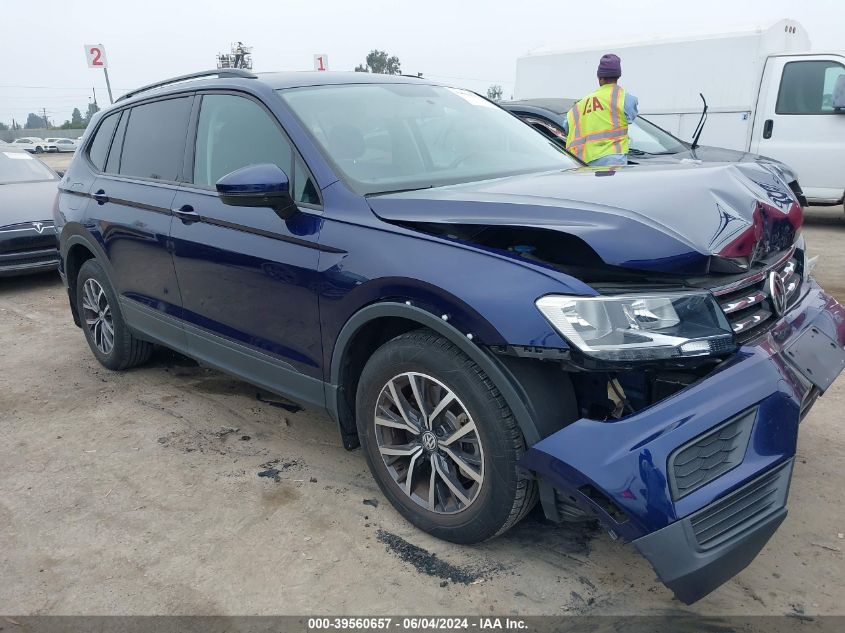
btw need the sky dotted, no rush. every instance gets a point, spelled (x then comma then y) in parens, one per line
(469, 43)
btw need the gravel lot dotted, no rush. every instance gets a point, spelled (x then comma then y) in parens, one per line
(142, 493)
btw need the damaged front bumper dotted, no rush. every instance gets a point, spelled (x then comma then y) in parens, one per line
(699, 480)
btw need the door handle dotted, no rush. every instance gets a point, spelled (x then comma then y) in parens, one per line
(767, 128)
(101, 197)
(186, 213)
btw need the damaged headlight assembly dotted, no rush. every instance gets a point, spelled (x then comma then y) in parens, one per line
(641, 327)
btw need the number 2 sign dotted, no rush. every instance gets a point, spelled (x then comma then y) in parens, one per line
(96, 55)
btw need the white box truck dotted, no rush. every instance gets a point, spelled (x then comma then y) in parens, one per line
(766, 94)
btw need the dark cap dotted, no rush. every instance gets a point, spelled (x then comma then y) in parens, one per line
(610, 66)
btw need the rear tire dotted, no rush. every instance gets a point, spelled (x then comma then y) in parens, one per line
(469, 448)
(110, 340)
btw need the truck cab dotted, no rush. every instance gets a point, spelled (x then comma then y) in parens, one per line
(797, 122)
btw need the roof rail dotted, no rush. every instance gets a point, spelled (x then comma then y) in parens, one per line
(226, 72)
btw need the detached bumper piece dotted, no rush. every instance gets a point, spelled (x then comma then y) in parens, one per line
(695, 555)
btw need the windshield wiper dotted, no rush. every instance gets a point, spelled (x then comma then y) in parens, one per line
(636, 152)
(384, 193)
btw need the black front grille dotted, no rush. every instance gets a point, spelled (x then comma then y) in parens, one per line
(42, 256)
(743, 508)
(748, 304)
(710, 455)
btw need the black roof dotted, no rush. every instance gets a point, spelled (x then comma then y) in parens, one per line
(558, 106)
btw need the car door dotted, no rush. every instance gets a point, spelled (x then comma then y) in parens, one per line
(131, 212)
(247, 276)
(796, 122)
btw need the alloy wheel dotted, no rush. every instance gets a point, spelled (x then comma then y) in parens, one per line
(429, 443)
(97, 315)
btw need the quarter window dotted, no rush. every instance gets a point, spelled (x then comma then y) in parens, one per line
(807, 87)
(234, 132)
(113, 162)
(100, 145)
(304, 189)
(154, 143)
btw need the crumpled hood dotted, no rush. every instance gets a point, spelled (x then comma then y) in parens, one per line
(710, 154)
(27, 202)
(663, 218)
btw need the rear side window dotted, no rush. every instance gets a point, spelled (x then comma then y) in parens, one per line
(234, 132)
(807, 87)
(102, 138)
(154, 142)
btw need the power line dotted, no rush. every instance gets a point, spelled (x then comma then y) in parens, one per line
(494, 81)
(42, 87)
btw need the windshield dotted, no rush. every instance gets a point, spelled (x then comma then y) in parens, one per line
(21, 167)
(646, 137)
(389, 137)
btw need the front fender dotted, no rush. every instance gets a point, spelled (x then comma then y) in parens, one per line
(495, 370)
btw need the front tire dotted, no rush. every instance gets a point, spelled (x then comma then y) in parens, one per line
(441, 441)
(109, 338)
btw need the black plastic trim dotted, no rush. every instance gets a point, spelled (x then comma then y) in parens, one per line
(692, 571)
(497, 372)
(746, 419)
(224, 354)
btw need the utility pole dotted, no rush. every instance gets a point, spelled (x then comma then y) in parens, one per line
(94, 90)
(46, 122)
(108, 83)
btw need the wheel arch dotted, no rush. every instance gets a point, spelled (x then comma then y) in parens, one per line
(75, 251)
(377, 323)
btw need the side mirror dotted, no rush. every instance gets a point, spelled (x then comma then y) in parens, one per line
(263, 185)
(839, 94)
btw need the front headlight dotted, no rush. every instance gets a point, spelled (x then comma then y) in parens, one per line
(641, 327)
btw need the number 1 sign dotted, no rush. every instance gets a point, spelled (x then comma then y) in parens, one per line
(321, 61)
(96, 55)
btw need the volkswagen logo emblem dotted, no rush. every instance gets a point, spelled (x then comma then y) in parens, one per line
(429, 441)
(777, 293)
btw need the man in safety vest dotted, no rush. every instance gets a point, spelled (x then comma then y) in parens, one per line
(597, 125)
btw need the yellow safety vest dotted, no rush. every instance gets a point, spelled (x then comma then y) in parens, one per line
(598, 125)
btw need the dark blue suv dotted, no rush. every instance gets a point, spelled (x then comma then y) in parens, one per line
(491, 321)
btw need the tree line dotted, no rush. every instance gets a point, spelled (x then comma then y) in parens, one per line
(77, 121)
(376, 62)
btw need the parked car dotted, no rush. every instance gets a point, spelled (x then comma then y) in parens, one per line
(28, 241)
(769, 92)
(31, 144)
(648, 142)
(490, 321)
(60, 145)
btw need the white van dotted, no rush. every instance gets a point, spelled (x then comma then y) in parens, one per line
(765, 92)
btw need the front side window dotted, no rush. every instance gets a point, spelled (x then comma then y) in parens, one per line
(807, 87)
(235, 132)
(386, 137)
(100, 145)
(154, 143)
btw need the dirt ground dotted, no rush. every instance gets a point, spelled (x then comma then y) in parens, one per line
(173, 489)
